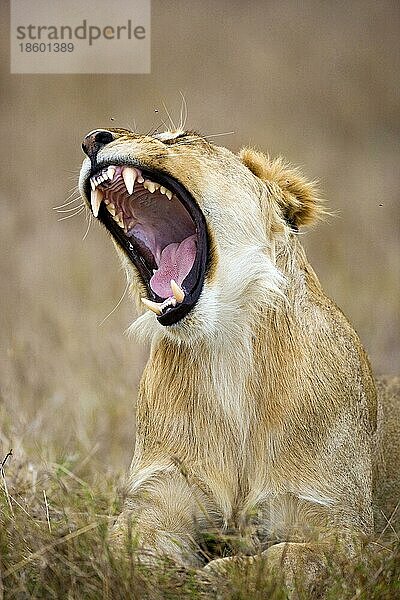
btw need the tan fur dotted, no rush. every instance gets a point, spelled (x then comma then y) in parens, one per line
(258, 412)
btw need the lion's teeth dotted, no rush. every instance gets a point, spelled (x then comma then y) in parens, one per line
(150, 185)
(140, 178)
(111, 209)
(177, 291)
(96, 197)
(168, 302)
(120, 219)
(154, 306)
(166, 192)
(129, 176)
(111, 172)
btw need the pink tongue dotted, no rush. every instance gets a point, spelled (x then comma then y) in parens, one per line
(176, 260)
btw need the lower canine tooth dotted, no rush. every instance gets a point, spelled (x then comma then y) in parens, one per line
(96, 197)
(154, 306)
(111, 209)
(177, 291)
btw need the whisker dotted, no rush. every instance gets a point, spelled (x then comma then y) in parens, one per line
(89, 222)
(72, 172)
(66, 210)
(184, 112)
(74, 188)
(117, 305)
(165, 125)
(65, 203)
(74, 215)
(168, 115)
(67, 200)
(153, 129)
(218, 134)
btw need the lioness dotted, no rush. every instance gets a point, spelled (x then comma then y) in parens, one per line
(257, 411)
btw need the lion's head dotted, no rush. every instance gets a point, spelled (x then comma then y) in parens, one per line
(196, 226)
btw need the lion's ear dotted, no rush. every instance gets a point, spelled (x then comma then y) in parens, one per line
(297, 197)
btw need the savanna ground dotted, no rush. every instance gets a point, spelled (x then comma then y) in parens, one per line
(317, 82)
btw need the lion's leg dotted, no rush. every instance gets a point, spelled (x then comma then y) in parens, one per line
(387, 459)
(162, 519)
(300, 566)
(321, 540)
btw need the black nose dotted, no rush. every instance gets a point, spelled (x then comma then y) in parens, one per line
(95, 140)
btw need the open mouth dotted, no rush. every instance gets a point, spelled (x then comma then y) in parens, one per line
(155, 220)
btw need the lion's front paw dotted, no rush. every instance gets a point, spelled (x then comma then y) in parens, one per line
(300, 565)
(222, 566)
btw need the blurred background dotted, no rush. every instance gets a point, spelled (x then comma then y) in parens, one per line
(315, 81)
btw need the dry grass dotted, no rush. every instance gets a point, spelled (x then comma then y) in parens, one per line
(54, 544)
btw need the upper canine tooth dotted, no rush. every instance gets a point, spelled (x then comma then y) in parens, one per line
(177, 291)
(96, 197)
(111, 172)
(154, 306)
(129, 176)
